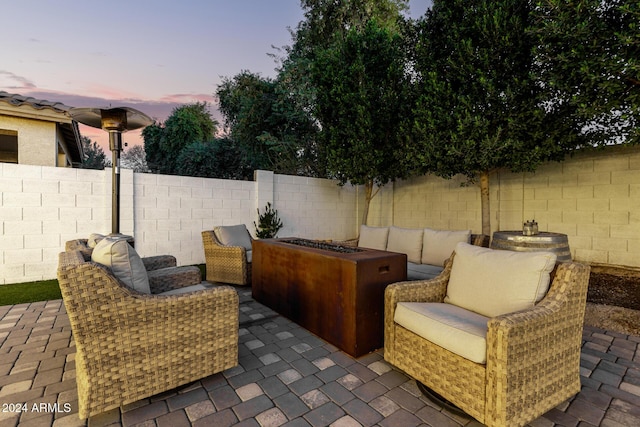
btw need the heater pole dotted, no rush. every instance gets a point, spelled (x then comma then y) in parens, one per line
(115, 144)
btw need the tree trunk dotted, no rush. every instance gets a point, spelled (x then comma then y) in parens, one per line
(485, 202)
(368, 190)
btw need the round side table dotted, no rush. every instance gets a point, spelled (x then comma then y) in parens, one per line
(544, 241)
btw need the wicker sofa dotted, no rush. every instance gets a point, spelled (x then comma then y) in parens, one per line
(531, 356)
(131, 345)
(227, 252)
(426, 249)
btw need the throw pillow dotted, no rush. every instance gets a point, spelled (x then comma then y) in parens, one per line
(494, 282)
(93, 239)
(373, 237)
(406, 241)
(233, 235)
(438, 245)
(124, 262)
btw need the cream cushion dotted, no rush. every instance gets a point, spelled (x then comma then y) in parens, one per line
(373, 237)
(438, 245)
(406, 241)
(93, 239)
(460, 331)
(494, 282)
(124, 262)
(233, 235)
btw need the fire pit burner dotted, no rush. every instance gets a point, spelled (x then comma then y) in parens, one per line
(322, 245)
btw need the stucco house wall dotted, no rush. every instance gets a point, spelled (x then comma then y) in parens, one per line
(46, 134)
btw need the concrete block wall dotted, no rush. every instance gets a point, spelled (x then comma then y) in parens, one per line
(315, 208)
(43, 207)
(593, 197)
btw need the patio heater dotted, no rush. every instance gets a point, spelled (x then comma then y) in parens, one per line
(115, 121)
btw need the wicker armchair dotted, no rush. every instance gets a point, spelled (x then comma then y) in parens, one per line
(533, 355)
(130, 346)
(226, 264)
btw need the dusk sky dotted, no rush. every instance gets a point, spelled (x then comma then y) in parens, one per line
(152, 55)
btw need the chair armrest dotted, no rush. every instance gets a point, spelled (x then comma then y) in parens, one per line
(539, 348)
(480, 240)
(166, 279)
(159, 261)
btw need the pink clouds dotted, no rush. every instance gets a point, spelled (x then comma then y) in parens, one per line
(159, 110)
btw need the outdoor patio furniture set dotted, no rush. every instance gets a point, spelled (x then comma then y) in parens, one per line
(496, 334)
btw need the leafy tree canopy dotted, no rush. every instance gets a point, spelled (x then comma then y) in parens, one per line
(589, 59)
(187, 124)
(362, 105)
(269, 130)
(217, 159)
(480, 108)
(94, 156)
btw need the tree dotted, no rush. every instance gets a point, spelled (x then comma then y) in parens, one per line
(268, 129)
(362, 105)
(589, 59)
(480, 108)
(187, 124)
(93, 155)
(220, 158)
(134, 158)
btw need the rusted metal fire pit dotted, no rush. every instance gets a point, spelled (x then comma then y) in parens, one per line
(334, 291)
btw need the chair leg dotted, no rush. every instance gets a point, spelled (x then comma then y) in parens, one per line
(439, 400)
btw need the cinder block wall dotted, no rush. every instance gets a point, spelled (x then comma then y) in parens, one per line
(43, 207)
(593, 197)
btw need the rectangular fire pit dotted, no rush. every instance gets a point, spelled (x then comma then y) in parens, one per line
(336, 292)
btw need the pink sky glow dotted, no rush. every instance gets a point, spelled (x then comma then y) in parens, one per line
(152, 55)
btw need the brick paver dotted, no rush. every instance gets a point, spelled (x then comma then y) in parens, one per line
(286, 377)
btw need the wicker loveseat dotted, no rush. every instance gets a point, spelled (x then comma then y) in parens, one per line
(227, 252)
(531, 356)
(131, 345)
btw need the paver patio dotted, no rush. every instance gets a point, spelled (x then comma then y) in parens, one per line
(286, 376)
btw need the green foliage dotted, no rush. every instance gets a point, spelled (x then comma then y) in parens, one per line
(163, 142)
(480, 108)
(363, 101)
(21, 293)
(93, 155)
(268, 223)
(220, 158)
(269, 130)
(589, 63)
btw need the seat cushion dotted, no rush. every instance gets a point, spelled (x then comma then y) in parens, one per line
(124, 262)
(184, 290)
(406, 241)
(233, 235)
(438, 245)
(460, 331)
(373, 237)
(422, 271)
(494, 282)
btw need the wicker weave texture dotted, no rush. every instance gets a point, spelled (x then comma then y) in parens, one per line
(130, 346)
(150, 263)
(533, 356)
(225, 264)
